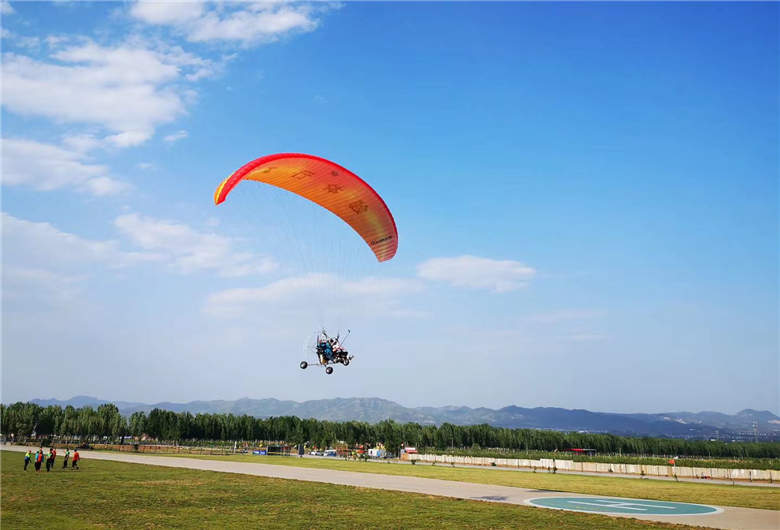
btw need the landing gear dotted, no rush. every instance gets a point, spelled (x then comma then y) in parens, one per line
(329, 370)
(304, 364)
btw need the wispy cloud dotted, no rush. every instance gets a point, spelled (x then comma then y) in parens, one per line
(246, 23)
(39, 290)
(178, 135)
(22, 41)
(177, 245)
(498, 276)
(188, 250)
(380, 295)
(48, 167)
(31, 244)
(6, 8)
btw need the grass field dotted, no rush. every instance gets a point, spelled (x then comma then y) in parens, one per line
(720, 494)
(106, 494)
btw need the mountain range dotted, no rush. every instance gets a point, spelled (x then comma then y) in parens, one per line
(372, 410)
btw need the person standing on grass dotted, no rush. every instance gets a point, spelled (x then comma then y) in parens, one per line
(67, 455)
(27, 457)
(53, 453)
(76, 459)
(49, 461)
(38, 460)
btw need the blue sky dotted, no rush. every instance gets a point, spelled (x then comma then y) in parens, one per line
(586, 197)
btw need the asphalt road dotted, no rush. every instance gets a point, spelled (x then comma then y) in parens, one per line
(726, 517)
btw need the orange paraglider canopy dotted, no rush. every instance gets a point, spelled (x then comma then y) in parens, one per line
(329, 185)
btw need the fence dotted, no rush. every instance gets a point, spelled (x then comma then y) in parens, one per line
(769, 475)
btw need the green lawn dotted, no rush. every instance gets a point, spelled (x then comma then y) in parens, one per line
(720, 494)
(106, 494)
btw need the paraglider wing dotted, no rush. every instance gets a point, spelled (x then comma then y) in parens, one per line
(329, 185)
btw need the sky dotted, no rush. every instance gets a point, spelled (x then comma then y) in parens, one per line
(586, 197)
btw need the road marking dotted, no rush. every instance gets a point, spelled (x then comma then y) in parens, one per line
(622, 506)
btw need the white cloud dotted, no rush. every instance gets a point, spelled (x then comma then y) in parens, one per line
(105, 186)
(31, 244)
(171, 138)
(129, 89)
(379, 295)
(128, 138)
(19, 40)
(499, 276)
(182, 248)
(6, 9)
(244, 22)
(48, 167)
(145, 166)
(82, 143)
(189, 250)
(235, 300)
(168, 12)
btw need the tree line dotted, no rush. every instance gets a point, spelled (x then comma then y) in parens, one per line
(25, 420)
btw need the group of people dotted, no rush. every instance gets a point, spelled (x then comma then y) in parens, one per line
(38, 459)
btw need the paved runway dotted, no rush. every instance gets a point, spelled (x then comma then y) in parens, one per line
(724, 517)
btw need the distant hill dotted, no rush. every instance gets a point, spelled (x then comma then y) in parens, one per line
(373, 410)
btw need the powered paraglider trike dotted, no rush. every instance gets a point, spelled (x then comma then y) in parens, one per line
(321, 350)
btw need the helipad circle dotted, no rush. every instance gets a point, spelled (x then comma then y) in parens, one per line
(612, 506)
